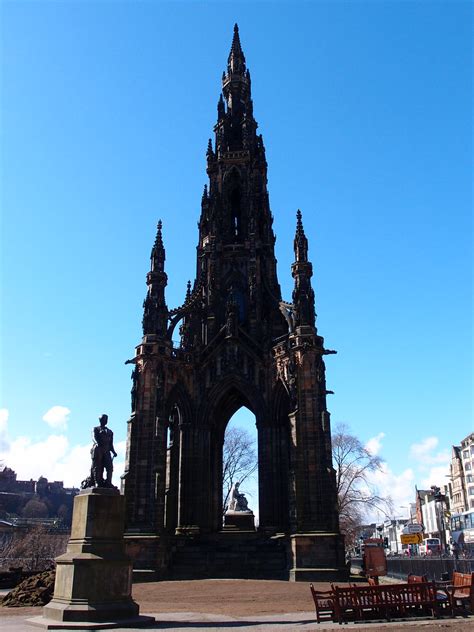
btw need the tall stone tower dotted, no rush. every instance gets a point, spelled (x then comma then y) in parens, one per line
(241, 345)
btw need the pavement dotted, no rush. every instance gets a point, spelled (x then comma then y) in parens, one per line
(204, 622)
(240, 605)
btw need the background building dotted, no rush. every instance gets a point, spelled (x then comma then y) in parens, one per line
(467, 456)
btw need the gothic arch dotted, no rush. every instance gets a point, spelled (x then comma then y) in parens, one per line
(178, 396)
(226, 397)
(222, 401)
(178, 414)
(233, 173)
(281, 402)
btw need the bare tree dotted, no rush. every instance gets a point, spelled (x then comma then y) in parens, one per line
(356, 494)
(239, 459)
(34, 548)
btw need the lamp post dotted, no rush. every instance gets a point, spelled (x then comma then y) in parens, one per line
(440, 499)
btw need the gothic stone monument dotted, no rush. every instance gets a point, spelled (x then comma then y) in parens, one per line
(241, 345)
(93, 584)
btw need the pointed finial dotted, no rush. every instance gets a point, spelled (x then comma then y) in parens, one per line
(300, 242)
(158, 251)
(204, 193)
(188, 291)
(159, 236)
(209, 151)
(236, 61)
(299, 223)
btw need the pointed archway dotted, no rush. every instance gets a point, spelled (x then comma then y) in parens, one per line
(240, 459)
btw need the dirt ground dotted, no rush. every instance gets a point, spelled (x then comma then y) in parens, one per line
(243, 598)
(233, 597)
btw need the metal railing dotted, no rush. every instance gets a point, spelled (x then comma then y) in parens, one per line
(436, 568)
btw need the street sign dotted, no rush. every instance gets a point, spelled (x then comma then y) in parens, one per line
(411, 538)
(412, 528)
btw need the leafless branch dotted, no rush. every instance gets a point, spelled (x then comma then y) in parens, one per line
(239, 459)
(356, 493)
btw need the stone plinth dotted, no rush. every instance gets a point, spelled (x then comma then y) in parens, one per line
(94, 577)
(317, 557)
(239, 521)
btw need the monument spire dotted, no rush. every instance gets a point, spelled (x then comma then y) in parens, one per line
(236, 59)
(158, 251)
(155, 311)
(302, 271)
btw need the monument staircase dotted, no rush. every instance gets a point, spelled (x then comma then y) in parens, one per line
(230, 556)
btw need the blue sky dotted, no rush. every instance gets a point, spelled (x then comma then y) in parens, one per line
(365, 110)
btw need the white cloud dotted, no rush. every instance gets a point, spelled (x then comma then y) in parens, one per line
(400, 488)
(431, 468)
(422, 449)
(437, 475)
(55, 459)
(120, 448)
(374, 445)
(424, 453)
(57, 417)
(434, 466)
(31, 460)
(52, 457)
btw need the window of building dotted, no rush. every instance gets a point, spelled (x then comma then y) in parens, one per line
(471, 491)
(467, 466)
(469, 478)
(465, 454)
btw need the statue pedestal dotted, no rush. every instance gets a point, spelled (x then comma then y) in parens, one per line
(239, 521)
(94, 577)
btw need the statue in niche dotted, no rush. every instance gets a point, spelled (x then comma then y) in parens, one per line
(288, 311)
(102, 447)
(292, 384)
(133, 392)
(238, 502)
(320, 374)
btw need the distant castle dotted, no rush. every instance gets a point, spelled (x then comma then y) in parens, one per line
(50, 498)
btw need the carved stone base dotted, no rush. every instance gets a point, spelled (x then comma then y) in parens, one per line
(94, 577)
(317, 557)
(239, 521)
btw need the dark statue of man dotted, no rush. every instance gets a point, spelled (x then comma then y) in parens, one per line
(103, 446)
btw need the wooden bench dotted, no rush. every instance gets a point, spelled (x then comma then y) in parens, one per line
(461, 590)
(323, 603)
(417, 579)
(355, 603)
